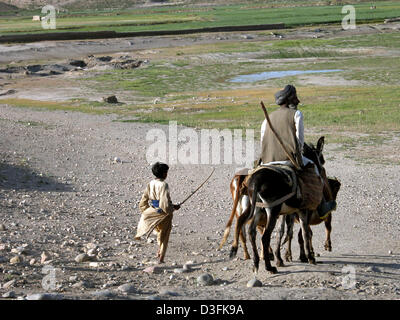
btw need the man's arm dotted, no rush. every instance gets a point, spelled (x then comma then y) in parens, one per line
(298, 120)
(263, 128)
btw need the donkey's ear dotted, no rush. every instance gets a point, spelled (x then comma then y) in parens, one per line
(320, 144)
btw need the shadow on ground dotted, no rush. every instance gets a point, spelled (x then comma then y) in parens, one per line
(21, 177)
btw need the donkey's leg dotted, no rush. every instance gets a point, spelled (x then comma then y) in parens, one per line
(302, 257)
(310, 240)
(289, 235)
(328, 229)
(266, 238)
(279, 261)
(243, 241)
(252, 236)
(261, 231)
(304, 215)
(239, 224)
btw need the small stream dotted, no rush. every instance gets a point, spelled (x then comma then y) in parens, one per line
(276, 74)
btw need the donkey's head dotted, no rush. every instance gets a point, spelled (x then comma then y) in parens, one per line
(315, 153)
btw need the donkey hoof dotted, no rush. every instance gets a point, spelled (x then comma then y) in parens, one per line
(272, 270)
(288, 257)
(279, 263)
(233, 252)
(328, 246)
(271, 256)
(246, 257)
(255, 270)
(303, 259)
(312, 261)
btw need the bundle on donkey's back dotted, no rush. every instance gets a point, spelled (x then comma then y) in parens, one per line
(314, 219)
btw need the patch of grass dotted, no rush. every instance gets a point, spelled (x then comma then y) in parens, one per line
(327, 109)
(159, 79)
(302, 52)
(54, 106)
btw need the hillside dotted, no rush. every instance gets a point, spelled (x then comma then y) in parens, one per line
(7, 5)
(4, 7)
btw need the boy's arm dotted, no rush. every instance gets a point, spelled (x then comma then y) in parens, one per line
(144, 201)
(165, 200)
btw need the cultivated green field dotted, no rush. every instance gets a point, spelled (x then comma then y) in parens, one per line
(183, 17)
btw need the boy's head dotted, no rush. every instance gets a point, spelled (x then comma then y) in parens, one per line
(160, 170)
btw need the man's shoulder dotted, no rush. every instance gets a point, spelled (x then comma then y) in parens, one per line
(283, 112)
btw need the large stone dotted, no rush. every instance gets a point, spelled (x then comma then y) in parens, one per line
(373, 269)
(205, 279)
(179, 270)
(9, 295)
(110, 99)
(78, 63)
(20, 250)
(166, 292)
(152, 269)
(45, 257)
(45, 296)
(16, 260)
(187, 267)
(103, 294)
(127, 288)
(254, 283)
(82, 284)
(83, 257)
(9, 284)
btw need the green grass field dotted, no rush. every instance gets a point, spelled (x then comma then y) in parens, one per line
(180, 18)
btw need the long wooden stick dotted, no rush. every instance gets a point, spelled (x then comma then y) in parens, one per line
(296, 165)
(187, 198)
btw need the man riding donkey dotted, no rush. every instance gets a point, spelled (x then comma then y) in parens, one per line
(286, 126)
(283, 179)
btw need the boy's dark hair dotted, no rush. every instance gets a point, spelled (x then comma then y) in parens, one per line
(159, 169)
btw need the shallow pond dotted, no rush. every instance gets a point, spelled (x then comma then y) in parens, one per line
(276, 74)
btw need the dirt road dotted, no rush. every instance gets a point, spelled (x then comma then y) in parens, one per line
(61, 193)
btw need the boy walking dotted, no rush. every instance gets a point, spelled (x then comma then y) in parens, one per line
(157, 209)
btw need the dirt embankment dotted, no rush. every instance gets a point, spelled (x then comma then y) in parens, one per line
(74, 49)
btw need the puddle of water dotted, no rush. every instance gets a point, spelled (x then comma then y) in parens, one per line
(276, 74)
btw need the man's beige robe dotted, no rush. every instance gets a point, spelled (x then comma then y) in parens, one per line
(150, 219)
